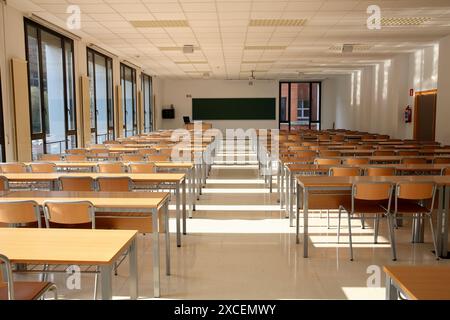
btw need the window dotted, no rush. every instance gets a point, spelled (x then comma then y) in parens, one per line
(300, 105)
(128, 82)
(100, 71)
(2, 129)
(51, 89)
(148, 102)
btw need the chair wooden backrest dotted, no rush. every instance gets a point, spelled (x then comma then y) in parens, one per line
(132, 158)
(373, 191)
(50, 157)
(329, 153)
(337, 137)
(386, 153)
(114, 184)
(327, 162)
(414, 161)
(70, 183)
(165, 152)
(110, 167)
(446, 171)
(356, 161)
(158, 158)
(4, 184)
(75, 157)
(13, 167)
(408, 153)
(380, 171)
(146, 152)
(76, 151)
(18, 212)
(141, 167)
(441, 160)
(42, 167)
(415, 190)
(345, 171)
(69, 213)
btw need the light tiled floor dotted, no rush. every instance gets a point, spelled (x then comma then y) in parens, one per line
(239, 246)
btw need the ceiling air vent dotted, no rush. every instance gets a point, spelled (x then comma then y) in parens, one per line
(403, 21)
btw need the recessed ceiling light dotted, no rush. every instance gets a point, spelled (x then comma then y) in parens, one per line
(159, 23)
(277, 22)
(403, 21)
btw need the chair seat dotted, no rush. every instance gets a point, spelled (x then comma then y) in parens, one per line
(25, 290)
(363, 206)
(406, 206)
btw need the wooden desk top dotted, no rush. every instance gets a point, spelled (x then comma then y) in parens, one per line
(64, 246)
(154, 177)
(330, 181)
(131, 200)
(422, 282)
(92, 164)
(403, 167)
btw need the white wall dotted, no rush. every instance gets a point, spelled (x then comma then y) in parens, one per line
(376, 102)
(443, 97)
(328, 108)
(175, 91)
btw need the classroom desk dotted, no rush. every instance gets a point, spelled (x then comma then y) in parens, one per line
(193, 178)
(418, 282)
(115, 202)
(179, 179)
(310, 184)
(73, 247)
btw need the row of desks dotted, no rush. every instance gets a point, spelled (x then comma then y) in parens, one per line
(89, 247)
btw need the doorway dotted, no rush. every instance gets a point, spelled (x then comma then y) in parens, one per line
(425, 115)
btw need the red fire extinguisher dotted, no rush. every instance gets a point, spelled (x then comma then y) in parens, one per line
(408, 114)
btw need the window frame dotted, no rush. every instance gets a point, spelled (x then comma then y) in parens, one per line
(109, 91)
(288, 104)
(63, 39)
(125, 129)
(150, 126)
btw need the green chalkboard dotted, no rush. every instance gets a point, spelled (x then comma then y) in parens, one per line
(234, 109)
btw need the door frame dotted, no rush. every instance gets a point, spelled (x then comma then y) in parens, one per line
(417, 106)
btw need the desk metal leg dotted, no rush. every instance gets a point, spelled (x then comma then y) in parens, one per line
(278, 181)
(391, 289)
(178, 213)
(166, 226)
(183, 185)
(286, 176)
(291, 199)
(282, 196)
(442, 221)
(156, 271)
(106, 281)
(297, 227)
(446, 212)
(191, 192)
(270, 175)
(132, 255)
(305, 223)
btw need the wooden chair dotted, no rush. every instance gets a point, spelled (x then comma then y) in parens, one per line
(380, 171)
(166, 152)
(345, 172)
(147, 152)
(114, 184)
(367, 199)
(111, 167)
(131, 157)
(71, 183)
(408, 153)
(410, 199)
(158, 158)
(42, 167)
(441, 161)
(385, 153)
(327, 162)
(71, 214)
(4, 184)
(75, 157)
(50, 157)
(329, 153)
(446, 171)
(17, 213)
(356, 161)
(414, 161)
(337, 137)
(13, 167)
(141, 167)
(76, 151)
(21, 290)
